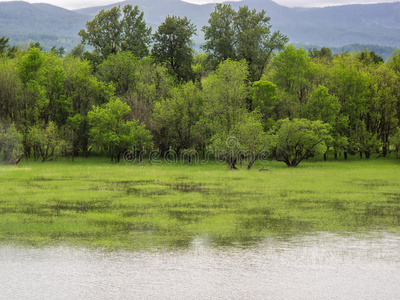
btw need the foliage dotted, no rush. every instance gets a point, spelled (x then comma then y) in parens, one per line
(136, 36)
(245, 142)
(264, 97)
(294, 72)
(225, 94)
(323, 53)
(245, 34)
(108, 33)
(177, 116)
(173, 46)
(187, 102)
(120, 69)
(395, 141)
(11, 144)
(299, 139)
(3, 44)
(111, 130)
(322, 106)
(44, 141)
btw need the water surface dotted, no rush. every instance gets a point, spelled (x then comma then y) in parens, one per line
(320, 266)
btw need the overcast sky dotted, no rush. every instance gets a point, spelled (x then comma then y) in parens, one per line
(74, 4)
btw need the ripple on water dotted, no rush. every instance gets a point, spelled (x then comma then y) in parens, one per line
(320, 266)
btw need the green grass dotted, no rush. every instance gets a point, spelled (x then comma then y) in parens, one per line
(95, 203)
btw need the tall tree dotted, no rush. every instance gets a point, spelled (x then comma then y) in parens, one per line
(225, 93)
(294, 72)
(178, 115)
(10, 87)
(264, 97)
(245, 34)
(348, 81)
(83, 91)
(173, 46)
(108, 33)
(104, 32)
(136, 36)
(220, 34)
(381, 118)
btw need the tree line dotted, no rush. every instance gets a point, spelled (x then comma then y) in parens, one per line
(248, 94)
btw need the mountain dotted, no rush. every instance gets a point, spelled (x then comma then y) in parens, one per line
(50, 25)
(329, 26)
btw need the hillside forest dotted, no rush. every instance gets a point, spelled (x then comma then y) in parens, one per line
(249, 95)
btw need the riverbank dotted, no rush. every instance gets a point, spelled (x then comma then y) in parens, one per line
(97, 204)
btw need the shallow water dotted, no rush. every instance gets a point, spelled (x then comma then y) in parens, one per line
(320, 266)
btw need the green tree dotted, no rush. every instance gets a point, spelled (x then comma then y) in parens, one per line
(60, 51)
(348, 81)
(177, 116)
(33, 77)
(83, 91)
(294, 72)
(381, 119)
(395, 141)
(323, 53)
(77, 51)
(322, 106)
(136, 36)
(325, 107)
(10, 89)
(44, 141)
(173, 46)
(299, 139)
(243, 143)
(201, 66)
(103, 32)
(264, 97)
(3, 44)
(219, 35)
(111, 130)
(245, 34)
(369, 57)
(11, 143)
(225, 94)
(121, 70)
(59, 105)
(251, 138)
(108, 33)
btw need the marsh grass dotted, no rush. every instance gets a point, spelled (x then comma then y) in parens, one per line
(97, 204)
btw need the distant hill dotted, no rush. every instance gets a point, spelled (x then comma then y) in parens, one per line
(48, 24)
(374, 24)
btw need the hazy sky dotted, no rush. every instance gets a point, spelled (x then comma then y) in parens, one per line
(73, 4)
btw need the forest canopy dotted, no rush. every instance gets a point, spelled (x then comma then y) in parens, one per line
(249, 84)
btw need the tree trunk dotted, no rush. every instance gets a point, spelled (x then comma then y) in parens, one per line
(345, 155)
(384, 150)
(325, 156)
(232, 163)
(250, 165)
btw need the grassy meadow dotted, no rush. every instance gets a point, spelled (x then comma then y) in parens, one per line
(94, 203)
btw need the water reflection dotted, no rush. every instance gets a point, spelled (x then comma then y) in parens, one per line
(320, 266)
